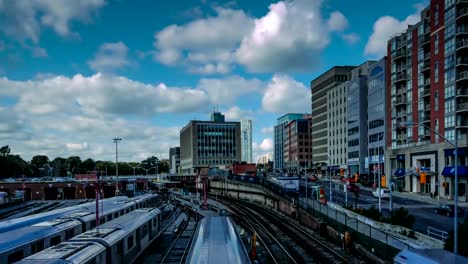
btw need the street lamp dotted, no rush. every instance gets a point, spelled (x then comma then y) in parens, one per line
(134, 177)
(455, 200)
(116, 141)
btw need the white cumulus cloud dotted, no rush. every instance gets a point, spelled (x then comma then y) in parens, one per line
(110, 56)
(384, 28)
(284, 95)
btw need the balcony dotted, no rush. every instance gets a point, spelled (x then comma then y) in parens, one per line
(462, 12)
(462, 1)
(462, 61)
(425, 118)
(426, 66)
(400, 100)
(401, 91)
(463, 107)
(462, 43)
(462, 91)
(425, 134)
(426, 92)
(462, 76)
(427, 107)
(462, 123)
(401, 76)
(399, 54)
(427, 82)
(462, 30)
(401, 114)
(426, 39)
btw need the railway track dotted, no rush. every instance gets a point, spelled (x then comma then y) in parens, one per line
(320, 251)
(179, 248)
(277, 252)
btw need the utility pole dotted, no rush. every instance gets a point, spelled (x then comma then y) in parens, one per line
(116, 141)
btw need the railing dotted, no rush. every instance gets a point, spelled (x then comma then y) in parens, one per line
(462, 30)
(426, 92)
(400, 100)
(462, 12)
(462, 75)
(462, 61)
(437, 233)
(462, 107)
(462, 91)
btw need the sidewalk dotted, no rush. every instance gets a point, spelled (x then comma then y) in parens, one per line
(420, 197)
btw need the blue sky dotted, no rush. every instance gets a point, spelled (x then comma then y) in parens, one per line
(75, 74)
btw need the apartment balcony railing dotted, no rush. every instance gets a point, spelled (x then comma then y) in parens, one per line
(401, 91)
(462, 43)
(462, 91)
(400, 100)
(462, 123)
(426, 66)
(401, 114)
(400, 53)
(426, 92)
(462, 75)
(462, 61)
(462, 30)
(462, 12)
(462, 107)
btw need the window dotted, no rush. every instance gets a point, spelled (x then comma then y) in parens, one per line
(37, 246)
(436, 72)
(17, 256)
(436, 101)
(55, 240)
(130, 242)
(436, 15)
(450, 44)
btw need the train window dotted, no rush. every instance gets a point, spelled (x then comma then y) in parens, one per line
(69, 234)
(37, 246)
(130, 242)
(17, 256)
(144, 229)
(55, 240)
(120, 248)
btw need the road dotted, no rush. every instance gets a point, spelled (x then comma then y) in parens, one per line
(422, 211)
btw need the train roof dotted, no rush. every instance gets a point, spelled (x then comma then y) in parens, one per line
(66, 252)
(112, 231)
(429, 256)
(217, 241)
(13, 224)
(29, 234)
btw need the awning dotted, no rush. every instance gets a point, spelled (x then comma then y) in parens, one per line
(399, 172)
(449, 171)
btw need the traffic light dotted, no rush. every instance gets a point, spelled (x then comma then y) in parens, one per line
(383, 181)
(423, 177)
(445, 184)
(342, 172)
(356, 177)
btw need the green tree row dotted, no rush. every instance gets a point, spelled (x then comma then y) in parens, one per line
(42, 166)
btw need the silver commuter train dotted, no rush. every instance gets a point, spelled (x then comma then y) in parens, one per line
(217, 241)
(28, 240)
(121, 240)
(17, 223)
(428, 256)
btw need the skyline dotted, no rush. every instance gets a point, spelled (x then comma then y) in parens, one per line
(72, 77)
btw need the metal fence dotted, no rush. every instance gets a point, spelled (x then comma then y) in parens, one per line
(380, 243)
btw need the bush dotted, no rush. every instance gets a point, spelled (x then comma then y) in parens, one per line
(372, 213)
(402, 218)
(411, 234)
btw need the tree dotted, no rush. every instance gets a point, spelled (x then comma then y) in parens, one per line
(39, 161)
(5, 150)
(88, 165)
(60, 165)
(150, 162)
(73, 164)
(462, 239)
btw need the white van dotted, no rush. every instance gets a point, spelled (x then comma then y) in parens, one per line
(384, 193)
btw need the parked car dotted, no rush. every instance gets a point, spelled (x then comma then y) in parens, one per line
(348, 179)
(448, 210)
(312, 178)
(353, 188)
(384, 193)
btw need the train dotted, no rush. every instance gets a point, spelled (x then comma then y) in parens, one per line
(6, 226)
(120, 240)
(276, 186)
(217, 241)
(28, 240)
(429, 256)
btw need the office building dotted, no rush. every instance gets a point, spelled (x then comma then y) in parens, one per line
(337, 127)
(376, 105)
(357, 118)
(320, 87)
(298, 144)
(246, 139)
(278, 148)
(174, 160)
(427, 85)
(209, 144)
(265, 159)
